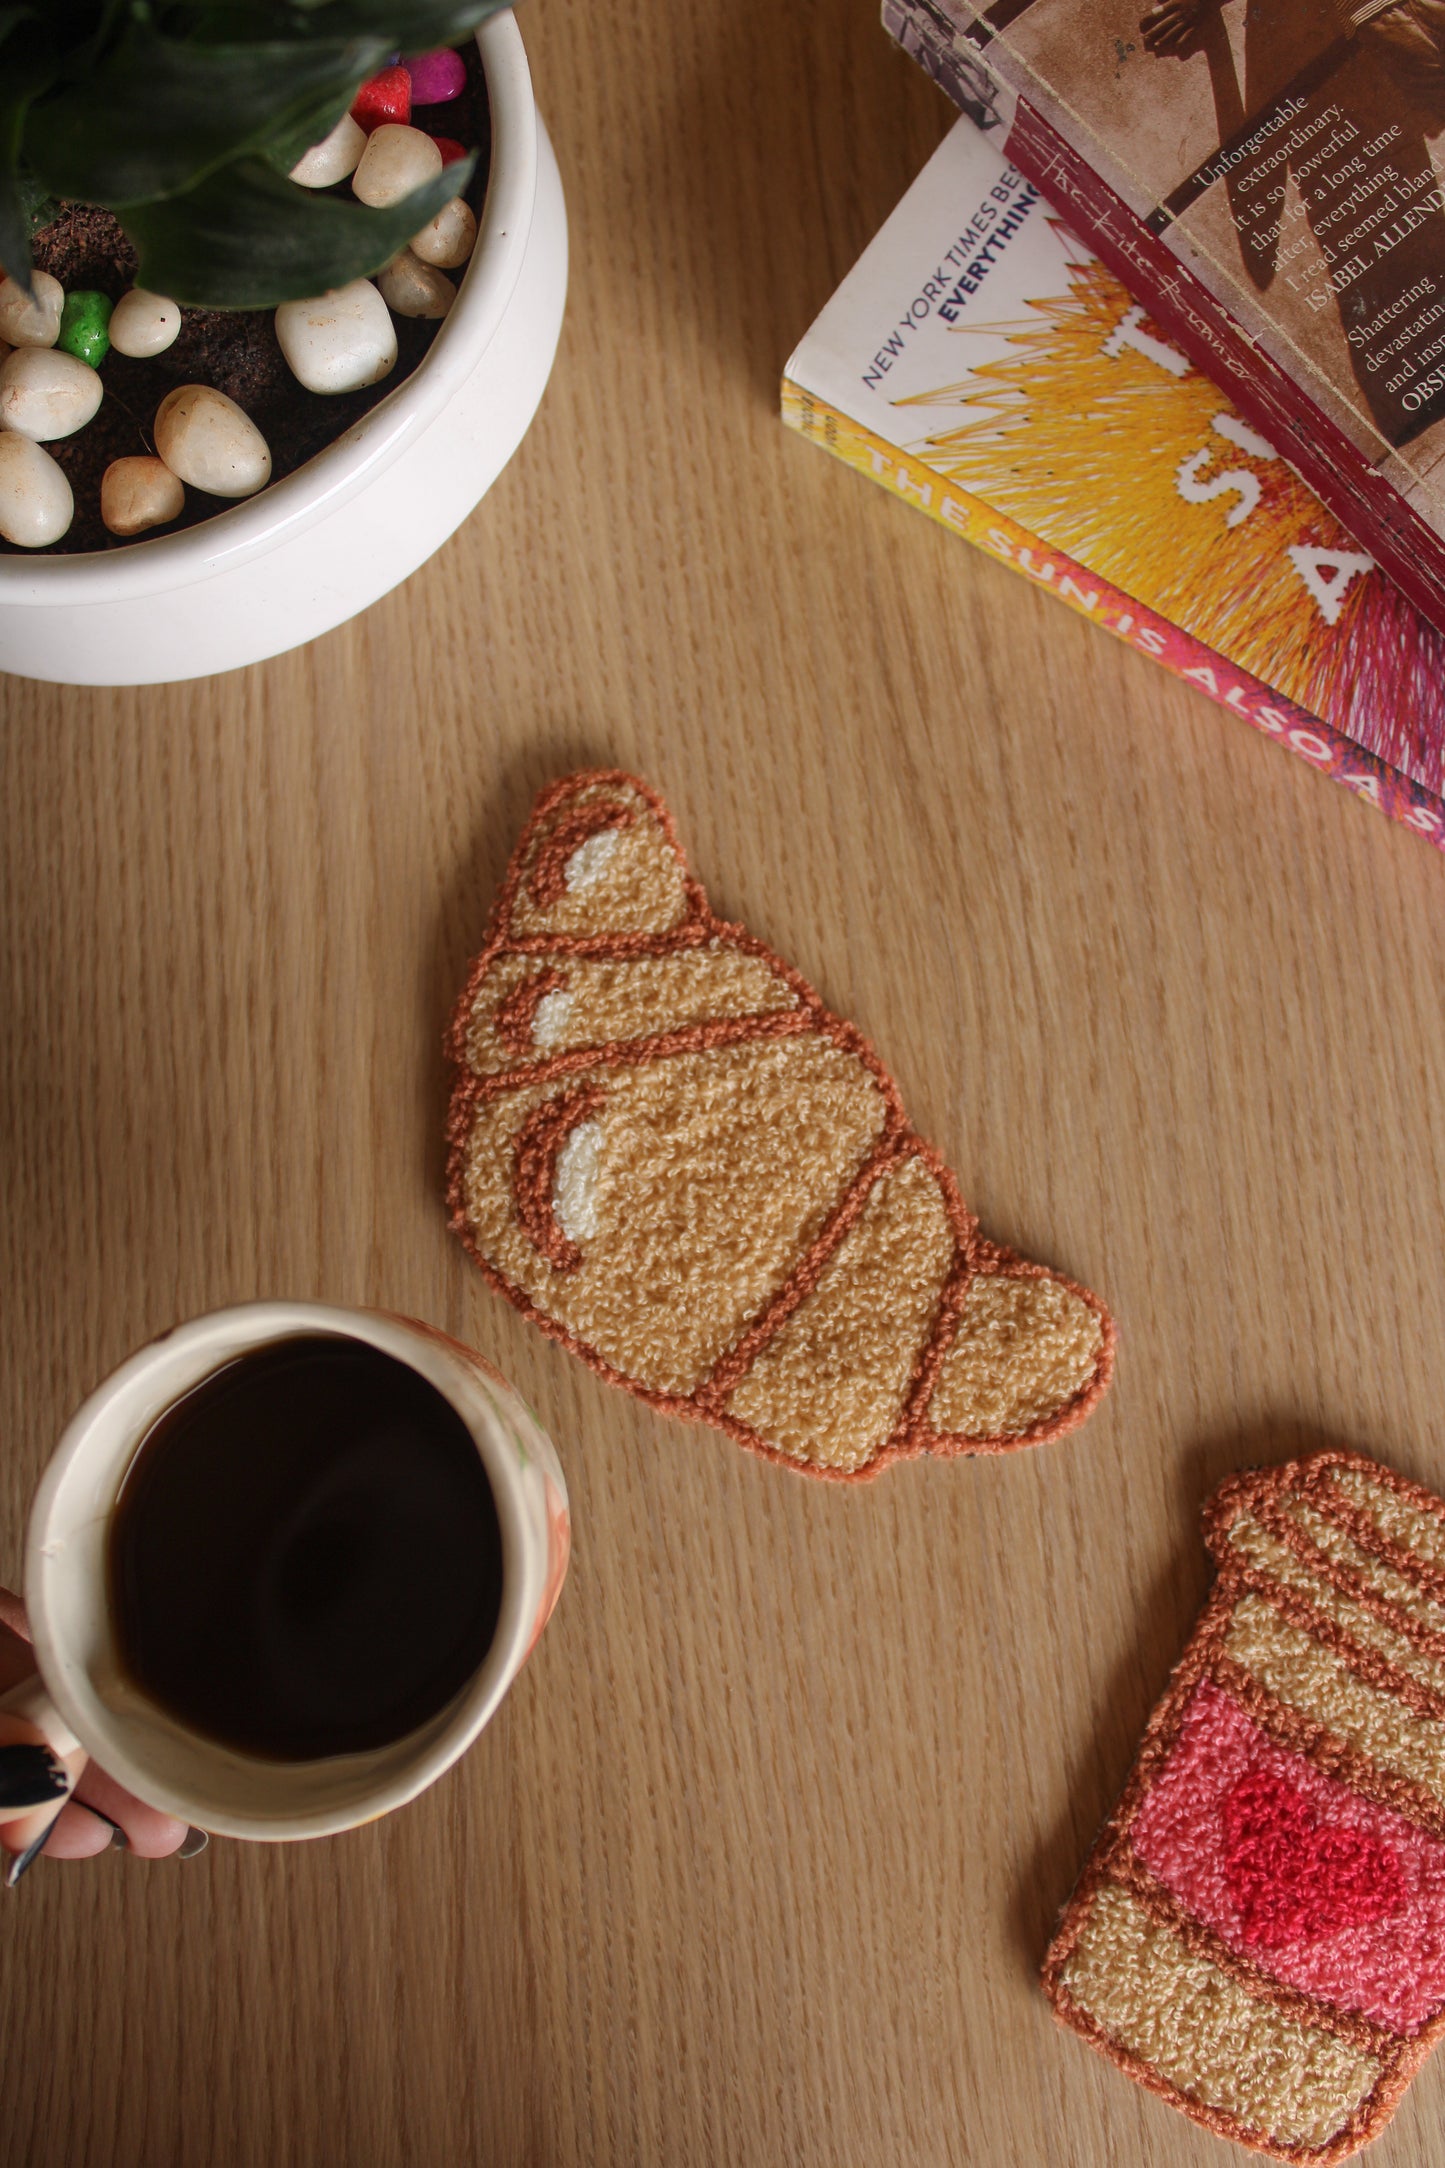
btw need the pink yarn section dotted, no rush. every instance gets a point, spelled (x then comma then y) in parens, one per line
(1390, 1963)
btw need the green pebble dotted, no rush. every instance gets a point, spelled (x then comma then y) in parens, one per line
(83, 323)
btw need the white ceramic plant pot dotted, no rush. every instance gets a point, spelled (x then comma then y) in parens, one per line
(312, 550)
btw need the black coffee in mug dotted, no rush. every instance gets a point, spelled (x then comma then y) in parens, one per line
(305, 1556)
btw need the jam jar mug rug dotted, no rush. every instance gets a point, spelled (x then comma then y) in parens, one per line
(1259, 1934)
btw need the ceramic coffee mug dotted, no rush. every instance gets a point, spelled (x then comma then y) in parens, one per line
(80, 1695)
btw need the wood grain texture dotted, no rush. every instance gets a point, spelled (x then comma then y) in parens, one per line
(759, 1860)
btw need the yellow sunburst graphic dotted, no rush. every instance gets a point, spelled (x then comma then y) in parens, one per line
(1102, 440)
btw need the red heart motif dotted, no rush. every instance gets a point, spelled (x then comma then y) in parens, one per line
(1294, 1879)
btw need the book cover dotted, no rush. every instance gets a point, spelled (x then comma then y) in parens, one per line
(1263, 174)
(981, 363)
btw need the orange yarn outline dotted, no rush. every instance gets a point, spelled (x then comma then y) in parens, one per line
(1297, 1539)
(897, 1141)
(539, 1141)
(1114, 1862)
(1131, 1874)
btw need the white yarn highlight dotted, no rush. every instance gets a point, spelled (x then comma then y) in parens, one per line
(574, 1184)
(549, 1023)
(591, 859)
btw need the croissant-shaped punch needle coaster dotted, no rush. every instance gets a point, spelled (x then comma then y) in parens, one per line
(1259, 1935)
(668, 1153)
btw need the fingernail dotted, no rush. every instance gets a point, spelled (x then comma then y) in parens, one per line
(194, 1841)
(24, 1861)
(119, 1841)
(30, 1776)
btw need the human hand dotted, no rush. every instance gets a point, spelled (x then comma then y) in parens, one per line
(98, 1814)
(1168, 30)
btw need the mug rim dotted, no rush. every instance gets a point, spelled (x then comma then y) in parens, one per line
(197, 1349)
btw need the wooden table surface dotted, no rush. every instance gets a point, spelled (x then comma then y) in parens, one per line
(757, 1864)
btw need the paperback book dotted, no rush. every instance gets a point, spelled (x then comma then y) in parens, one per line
(1266, 177)
(982, 364)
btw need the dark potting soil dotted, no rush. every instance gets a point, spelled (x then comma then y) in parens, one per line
(233, 350)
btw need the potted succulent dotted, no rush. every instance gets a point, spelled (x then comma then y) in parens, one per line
(196, 126)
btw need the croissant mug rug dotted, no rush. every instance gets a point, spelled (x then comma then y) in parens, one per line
(671, 1156)
(1259, 1934)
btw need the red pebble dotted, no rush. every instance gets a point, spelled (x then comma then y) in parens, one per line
(385, 97)
(451, 151)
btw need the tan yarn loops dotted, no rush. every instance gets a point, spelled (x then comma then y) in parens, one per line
(672, 1156)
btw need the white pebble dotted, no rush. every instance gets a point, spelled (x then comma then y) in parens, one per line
(208, 440)
(340, 341)
(448, 239)
(410, 287)
(44, 394)
(139, 493)
(143, 323)
(31, 323)
(36, 506)
(333, 157)
(396, 160)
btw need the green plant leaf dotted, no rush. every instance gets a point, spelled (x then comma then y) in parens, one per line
(14, 217)
(84, 30)
(183, 18)
(25, 71)
(39, 205)
(245, 238)
(11, 16)
(412, 26)
(158, 114)
(243, 22)
(283, 151)
(415, 26)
